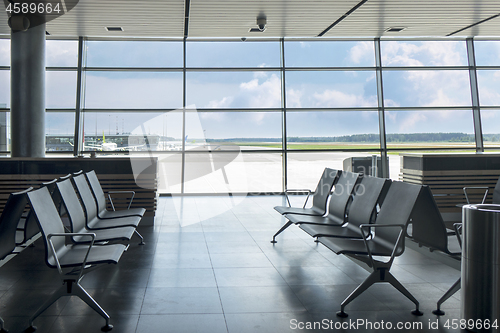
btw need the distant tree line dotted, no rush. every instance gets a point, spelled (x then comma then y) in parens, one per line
(402, 137)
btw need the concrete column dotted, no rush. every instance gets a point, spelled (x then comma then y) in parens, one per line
(27, 84)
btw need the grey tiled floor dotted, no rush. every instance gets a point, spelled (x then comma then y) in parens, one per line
(209, 267)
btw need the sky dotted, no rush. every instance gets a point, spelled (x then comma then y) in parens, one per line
(260, 88)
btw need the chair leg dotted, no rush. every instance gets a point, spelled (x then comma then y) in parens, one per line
(84, 296)
(379, 275)
(280, 231)
(62, 291)
(371, 279)
(453, 289)
(71, 288)
(396, 284)
(140, 236)
(2, 328)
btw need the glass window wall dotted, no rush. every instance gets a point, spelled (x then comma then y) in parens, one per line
(231, 131)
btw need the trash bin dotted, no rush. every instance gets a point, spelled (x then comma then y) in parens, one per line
(480, 298)
(365, 165)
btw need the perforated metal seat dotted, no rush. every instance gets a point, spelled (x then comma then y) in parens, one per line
(344, 183)
(368, 193)
(92, 221)
(100, 199)
(77, 218)
(388, 240)
(319, 197)
(72, 261)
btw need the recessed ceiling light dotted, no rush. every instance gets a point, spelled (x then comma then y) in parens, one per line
(395, 29)
(114, 28)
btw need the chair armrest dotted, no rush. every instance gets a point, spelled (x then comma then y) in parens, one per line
(365, 238)
(297, 190)
(458, 232)
(476, 188)
(118, 192)
(65, 234)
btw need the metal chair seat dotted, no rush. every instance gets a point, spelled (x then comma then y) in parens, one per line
(92, 220)
(319, 198)
(100, 200)
(357, 247)
(73, 255)
(72, 261)
(330, 219)
(76, 216)
(368, 193)
(339, 200)
(328, 231)
(400, 204)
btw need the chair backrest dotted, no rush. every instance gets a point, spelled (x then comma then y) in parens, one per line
(369, 192)
(97, 191)
(496, 193)
(50, 185)
(48, 220)
(397, 208)
(342, 194)
(86, 196)
(31, 226)
(12, 212)
(72, 205)
(68, 176)
(428, 228)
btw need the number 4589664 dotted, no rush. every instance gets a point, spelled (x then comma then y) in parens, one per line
(33, 8)
(470, 324)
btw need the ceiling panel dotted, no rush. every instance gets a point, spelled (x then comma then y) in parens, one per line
(420, 18)
(148, 18)
(285, 18)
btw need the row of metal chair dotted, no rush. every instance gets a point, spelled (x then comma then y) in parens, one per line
(367, 218)
(80, 245)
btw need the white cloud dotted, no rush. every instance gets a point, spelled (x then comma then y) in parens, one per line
(304, 45)
(440, 98)
(430, 88)
(61, 53)
(225, 102)
(5, 51)
(335, 98)
(389, 102)
(423, 53)
(137, 92)
(256, 93)
(360, 51)
(258, 117)
(411, 121)
(293, 98)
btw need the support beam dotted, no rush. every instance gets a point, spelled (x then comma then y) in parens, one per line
(381, 111)
(476, 110)
(78, 138)
(27, 81)
(284, 142)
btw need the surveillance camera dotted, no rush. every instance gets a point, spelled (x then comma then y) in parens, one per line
(261, 23)
(19, 23)
(243, 39)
